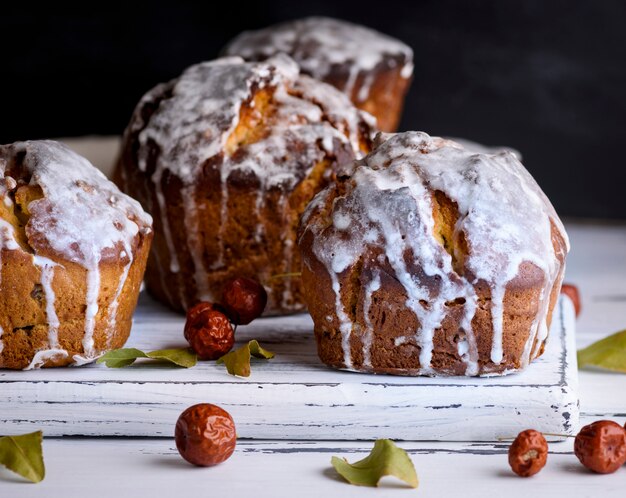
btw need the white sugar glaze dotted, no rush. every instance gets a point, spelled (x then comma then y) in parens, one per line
(80, 215)
(47, 275)
(320, 44)
(503, 214)
(195, 116)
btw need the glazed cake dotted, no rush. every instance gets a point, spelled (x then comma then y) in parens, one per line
(73, 250)
(372, 69)
(428, 259)
(226, 157)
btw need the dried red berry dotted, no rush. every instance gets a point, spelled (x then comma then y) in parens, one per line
(601, 446)
(528, 453)
(244, 300)
(193, 312)
(208, 331)
(205, 435)
(571, 291)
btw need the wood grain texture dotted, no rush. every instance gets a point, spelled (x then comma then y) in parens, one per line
(152, 467)
(293, 396)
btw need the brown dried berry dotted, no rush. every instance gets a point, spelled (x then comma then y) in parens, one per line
(601, 446)
(571, 291)
(208, 331)
(205, 435)
(244, 300)
(528, 453)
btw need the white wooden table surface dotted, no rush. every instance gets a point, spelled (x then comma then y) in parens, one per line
(120, 467)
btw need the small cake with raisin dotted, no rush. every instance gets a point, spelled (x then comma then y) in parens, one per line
(372, 69)
(428, 259)
(226, 157)
(73, 250)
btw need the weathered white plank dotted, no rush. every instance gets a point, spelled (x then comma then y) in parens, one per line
(134, 467)
(293, 396)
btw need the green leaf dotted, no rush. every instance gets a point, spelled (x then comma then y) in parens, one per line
(182, 357)
(119, 358)
(608, 353)
(258, 352)
(124, 357)
(238, 362)
(385, 459)
(24, 455)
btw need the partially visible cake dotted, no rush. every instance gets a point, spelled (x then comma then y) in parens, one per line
(372, 69)
(429, 259)
(226, 157)
(73, 250)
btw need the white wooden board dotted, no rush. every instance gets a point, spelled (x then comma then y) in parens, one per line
(80, 468)
(293, 396)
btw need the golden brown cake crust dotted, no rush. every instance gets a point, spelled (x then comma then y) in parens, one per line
(387, 263)
(227, 193)
(74, 249)
(372, 69)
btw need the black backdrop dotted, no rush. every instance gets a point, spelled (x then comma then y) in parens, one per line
(547, 77)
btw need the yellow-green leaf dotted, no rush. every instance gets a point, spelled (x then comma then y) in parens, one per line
(385, 459)
(238, 362)
(24, 455)
(124, 357)
(258, 352)
(182, 357)
(608, 353)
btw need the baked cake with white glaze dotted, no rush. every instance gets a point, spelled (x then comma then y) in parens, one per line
(73, 250)
(372, 69)
(428, 259)
(226, 157)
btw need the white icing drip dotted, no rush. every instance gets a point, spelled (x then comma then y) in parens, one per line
(348, 87)
(320, 45)
(388, 201)
(366, 86)
(41, 357)
(345, 325)
(165, 223)
(160, 264)
(199, 111)
(47, 275)
(497, 310)
(174, 266)
(195, 243)
(259, 204)
(219, 262)
(91, 299)
(371, 287)
(113, 307)
(541, 330)
(407, 70)
(468, 347)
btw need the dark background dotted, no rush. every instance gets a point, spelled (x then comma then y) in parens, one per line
(547, 77)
